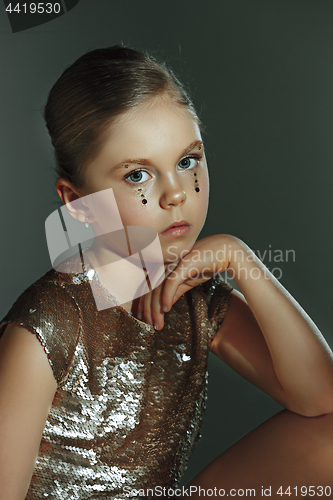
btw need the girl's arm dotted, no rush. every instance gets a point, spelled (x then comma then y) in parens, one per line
(266, 336)
(269, 339)
(27, 388)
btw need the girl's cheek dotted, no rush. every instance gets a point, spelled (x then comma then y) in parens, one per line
(135, 209)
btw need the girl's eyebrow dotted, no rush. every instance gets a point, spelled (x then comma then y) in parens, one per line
(144, 161)
(192, 146)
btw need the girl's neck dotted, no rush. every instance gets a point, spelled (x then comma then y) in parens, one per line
(123, 278)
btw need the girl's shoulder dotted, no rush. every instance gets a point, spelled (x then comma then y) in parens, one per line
(48, 309)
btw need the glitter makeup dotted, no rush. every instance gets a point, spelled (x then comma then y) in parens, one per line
(142, 196)
(196, 183)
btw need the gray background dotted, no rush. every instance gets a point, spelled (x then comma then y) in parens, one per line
(261, 75)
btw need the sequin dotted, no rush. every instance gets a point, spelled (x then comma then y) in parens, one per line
(129, 405)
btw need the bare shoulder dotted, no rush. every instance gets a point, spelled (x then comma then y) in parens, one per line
(27, 388)
(22, 356)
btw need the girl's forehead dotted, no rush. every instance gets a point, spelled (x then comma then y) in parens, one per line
(159, 110)
(156, 123)
(153, 134)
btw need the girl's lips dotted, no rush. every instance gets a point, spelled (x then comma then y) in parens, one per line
(177, 229)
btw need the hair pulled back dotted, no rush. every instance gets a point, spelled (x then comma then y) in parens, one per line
(95, 89)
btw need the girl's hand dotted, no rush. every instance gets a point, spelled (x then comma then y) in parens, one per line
(208, 257)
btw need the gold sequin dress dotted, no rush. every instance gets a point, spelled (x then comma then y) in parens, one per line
(130, 400)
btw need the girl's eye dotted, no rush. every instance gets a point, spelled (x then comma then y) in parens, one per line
(137, 176)
(187, 163)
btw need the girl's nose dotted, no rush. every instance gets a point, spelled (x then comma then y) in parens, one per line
(173, 195)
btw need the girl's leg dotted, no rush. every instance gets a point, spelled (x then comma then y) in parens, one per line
(288, 450)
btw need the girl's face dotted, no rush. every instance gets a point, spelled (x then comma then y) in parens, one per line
(153, 159)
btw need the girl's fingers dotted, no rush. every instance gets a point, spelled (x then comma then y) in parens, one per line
(186, 275)
(139, 310)
(183, 288)
(157, 314)
(146, 311)
(179, 283)
(149, 308)
(173, 282)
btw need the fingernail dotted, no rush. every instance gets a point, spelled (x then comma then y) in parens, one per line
(165, 308)
(139, 315)
(156, 326)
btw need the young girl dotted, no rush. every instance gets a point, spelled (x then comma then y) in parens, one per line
(106, 398)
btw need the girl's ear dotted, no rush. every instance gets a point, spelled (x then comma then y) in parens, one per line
(70, 194)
